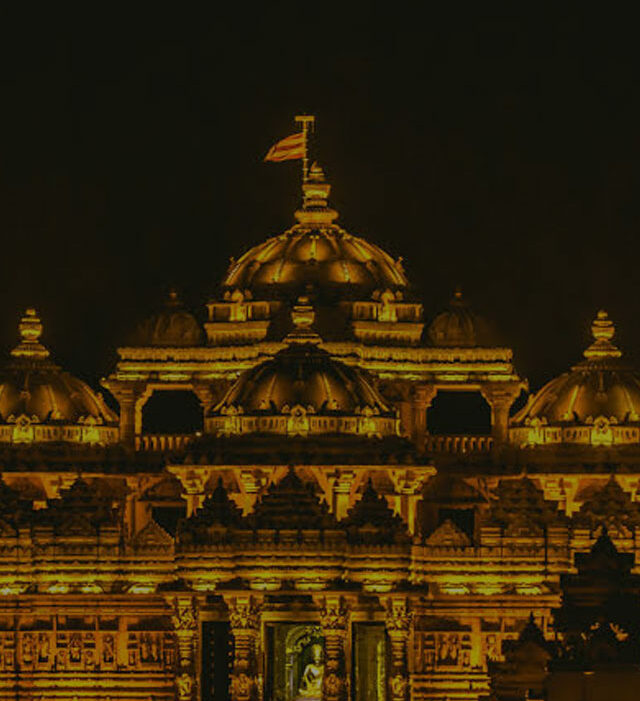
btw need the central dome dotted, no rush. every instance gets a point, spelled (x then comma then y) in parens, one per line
(302, 390)
(315, 252)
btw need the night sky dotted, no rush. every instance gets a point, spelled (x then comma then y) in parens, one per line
(496, 152)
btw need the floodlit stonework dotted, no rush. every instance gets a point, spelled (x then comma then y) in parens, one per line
(316, 539)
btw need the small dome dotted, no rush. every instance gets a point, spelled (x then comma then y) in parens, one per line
(457, 326)
(597, 402)
(41, 402)
(315, 252)
(303, 390)
(173, 327)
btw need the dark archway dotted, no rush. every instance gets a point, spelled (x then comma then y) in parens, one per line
(454, 413)
(172, 411)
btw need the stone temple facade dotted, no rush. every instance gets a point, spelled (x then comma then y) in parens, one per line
(315, 536)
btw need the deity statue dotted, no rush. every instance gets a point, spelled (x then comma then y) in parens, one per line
(108, 648)
(311, 679)
(43, 647)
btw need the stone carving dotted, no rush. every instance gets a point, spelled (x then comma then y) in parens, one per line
(108, 649)
(448, 535)
(185, 686)
(184, 617)
(244, 620)
(334, 620)
(43, 647)
(398, 623)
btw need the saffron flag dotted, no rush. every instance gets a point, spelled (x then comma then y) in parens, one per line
(288, 149)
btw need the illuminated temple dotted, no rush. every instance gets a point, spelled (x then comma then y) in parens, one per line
(319, 534)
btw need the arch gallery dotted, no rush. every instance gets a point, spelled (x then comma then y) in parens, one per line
(314, 539)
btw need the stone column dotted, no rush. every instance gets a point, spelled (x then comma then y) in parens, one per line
(244, 621)
(500, 396)
(342, 492)
(422, 397)
(185, 624)
(127, 400)
(398, 624)
(334, 620)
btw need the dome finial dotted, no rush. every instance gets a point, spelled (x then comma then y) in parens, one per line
(173, 297)
(315, 196)
(303, 315)
(30, 328)
(603, 331)
(457, 298)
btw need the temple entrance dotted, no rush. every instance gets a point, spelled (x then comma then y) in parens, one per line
(173, 412)
(295, 662)
(369, 662)
(455, 413)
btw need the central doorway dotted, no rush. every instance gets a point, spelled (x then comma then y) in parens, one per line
(295, 662)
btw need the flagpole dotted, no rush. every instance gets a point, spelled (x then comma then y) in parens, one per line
(308, 122)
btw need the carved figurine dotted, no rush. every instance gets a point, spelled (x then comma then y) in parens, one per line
(43, 647)
(311, 679)
(75, 649)
(27, 649)
(108, 647)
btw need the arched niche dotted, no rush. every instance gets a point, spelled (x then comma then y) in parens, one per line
(459, 412)
(172, 411)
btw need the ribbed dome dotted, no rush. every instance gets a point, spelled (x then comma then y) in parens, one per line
(41, 402)
(302, 390)
(315, 252)
(174, 326)
(459, 327)
(601, 395)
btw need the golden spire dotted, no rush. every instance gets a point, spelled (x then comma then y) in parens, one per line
(603, 331)
(30, 331)
(315, 195)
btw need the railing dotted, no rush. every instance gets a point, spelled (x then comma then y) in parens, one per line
(163, 441)
(459, 444)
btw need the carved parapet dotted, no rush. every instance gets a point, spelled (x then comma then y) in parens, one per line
(185, 625)
(398, 622)
(334, 620)
(244, 621)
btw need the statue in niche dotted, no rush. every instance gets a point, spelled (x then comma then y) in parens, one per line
(43, 647)
(75, 649)
(27, 649)
(145, 648)
(310, 686)
(108, 647)
(448, 650)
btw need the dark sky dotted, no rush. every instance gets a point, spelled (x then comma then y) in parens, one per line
(499, 152)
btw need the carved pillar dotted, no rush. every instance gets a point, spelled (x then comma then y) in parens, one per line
(185, 624)
(342, 492)
(127, 400)
(422, 397)
(244, 621)
(334, 620)
(500, 396)
(141, 400)
(207, 398)
(398, 624)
